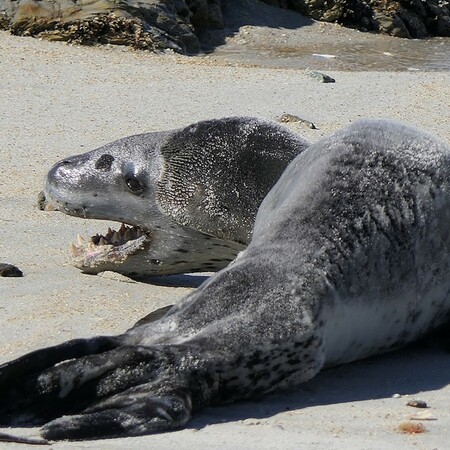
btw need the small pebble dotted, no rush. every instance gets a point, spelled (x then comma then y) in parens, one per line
(286, 118)
(396, 396)
(8, 270)
(417, 404)
(319, 76)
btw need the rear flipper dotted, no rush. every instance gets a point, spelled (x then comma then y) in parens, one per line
(122, 391)
(18, 378)
(143, 409)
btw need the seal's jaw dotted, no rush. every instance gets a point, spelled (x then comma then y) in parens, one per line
(134, 252)
(125, 247)
(162, 249)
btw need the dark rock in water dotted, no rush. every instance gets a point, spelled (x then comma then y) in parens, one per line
(177, 24)
(8, 270)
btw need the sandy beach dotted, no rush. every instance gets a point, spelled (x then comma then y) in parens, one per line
(58, 100)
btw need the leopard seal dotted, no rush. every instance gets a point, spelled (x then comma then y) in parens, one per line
(349, 258)
(188, 196)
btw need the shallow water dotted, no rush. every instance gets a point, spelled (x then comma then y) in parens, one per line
(261, 35)
(374, 52)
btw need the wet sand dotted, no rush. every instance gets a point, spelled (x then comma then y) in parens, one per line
(265, 36)
(58, 100)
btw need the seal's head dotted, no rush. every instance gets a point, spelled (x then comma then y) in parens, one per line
(187, 199)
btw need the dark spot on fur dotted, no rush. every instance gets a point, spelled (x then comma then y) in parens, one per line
(264, 375)
(414, 316)
(182, 250)
(259, 390)
(104, 162)
(294, 361)
(252, 362)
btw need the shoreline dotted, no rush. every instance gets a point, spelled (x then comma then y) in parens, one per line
(59, 100)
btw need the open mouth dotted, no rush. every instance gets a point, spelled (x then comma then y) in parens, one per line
(112, 247)
(104, 252)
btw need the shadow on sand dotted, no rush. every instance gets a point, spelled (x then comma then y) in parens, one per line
(182, 280)
(416, 368)
(238, 13)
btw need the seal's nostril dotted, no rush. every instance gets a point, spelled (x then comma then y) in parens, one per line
(104, 162)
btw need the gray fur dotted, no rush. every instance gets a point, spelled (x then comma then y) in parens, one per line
(350, 257)
(194, 193)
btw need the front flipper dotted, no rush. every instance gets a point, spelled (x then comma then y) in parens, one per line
(153, 316)
(125, 391)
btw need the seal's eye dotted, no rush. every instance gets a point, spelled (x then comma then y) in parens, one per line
(134, 185)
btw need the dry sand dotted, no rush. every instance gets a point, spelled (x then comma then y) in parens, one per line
(58, 100)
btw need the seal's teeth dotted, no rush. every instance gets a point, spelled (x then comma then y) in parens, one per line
(74, 250)
(116, 239)
(102, 241)
(128, 235)
(109, 234)
(80, 239)
(91, 246)
(122, 228)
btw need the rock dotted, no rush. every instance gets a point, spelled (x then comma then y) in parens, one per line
(413, 23)
(146, 24)
(8, 270)
(176, 24)
(438, 13)
(400, 18)
(443, 26)
(319, 76)
(392, 25)
(205, 13)
(290, 118)
(417, 404)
